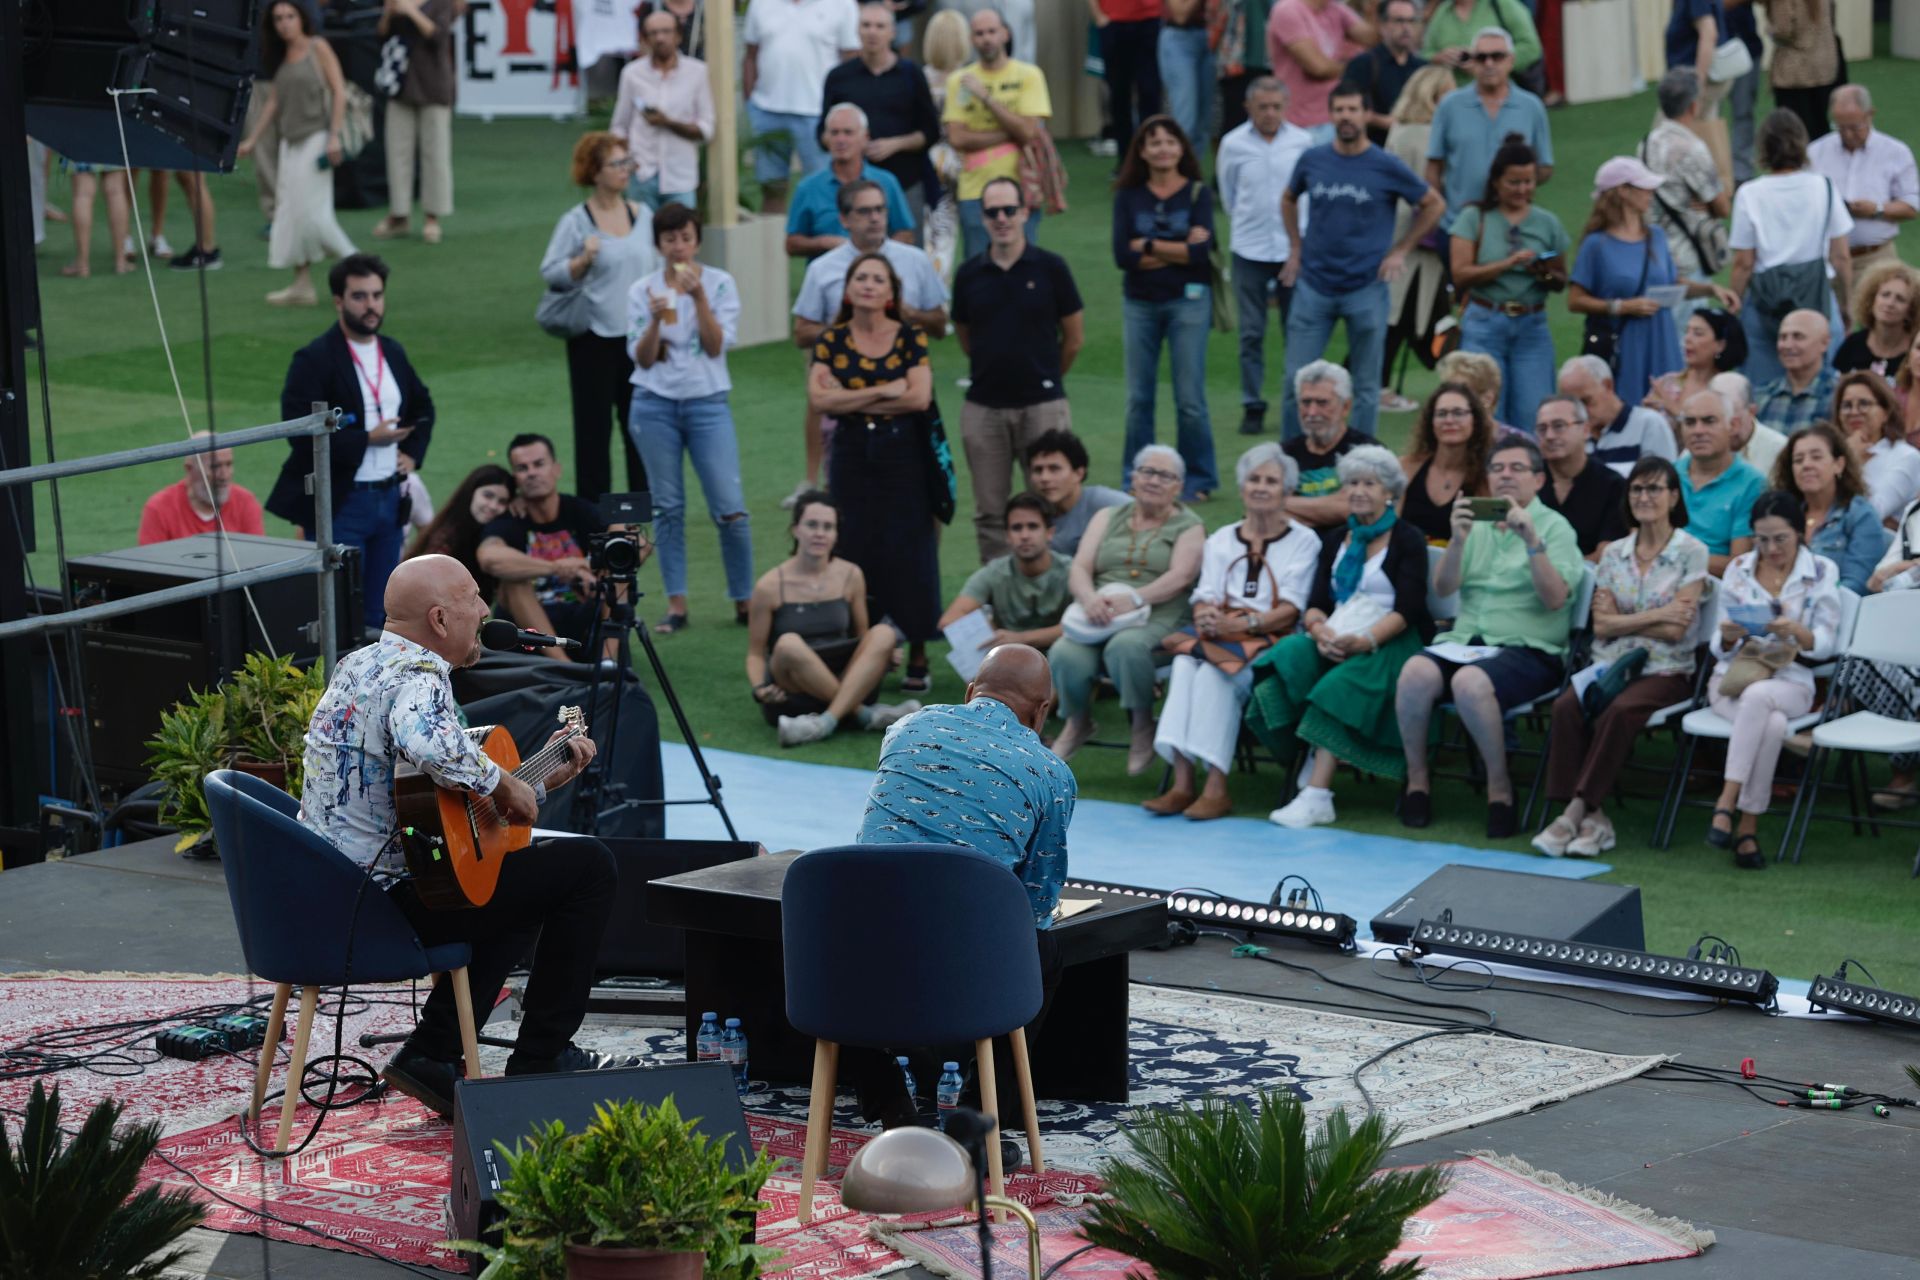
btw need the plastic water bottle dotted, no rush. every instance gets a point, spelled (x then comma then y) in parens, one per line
(906, 1073)
(733, 1052)
(948, 1096)
(706, 1041)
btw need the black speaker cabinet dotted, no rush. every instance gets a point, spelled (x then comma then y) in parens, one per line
(1544, 906)
(634, 946)
(506, 1108)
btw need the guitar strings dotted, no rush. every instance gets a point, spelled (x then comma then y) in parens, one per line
(483, 808)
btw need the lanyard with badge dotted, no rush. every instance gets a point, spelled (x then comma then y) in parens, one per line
(377, 384)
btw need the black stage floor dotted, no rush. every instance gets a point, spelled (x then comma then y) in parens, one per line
(1793, 1195)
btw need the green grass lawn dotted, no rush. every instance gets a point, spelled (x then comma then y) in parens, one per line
(464, 309)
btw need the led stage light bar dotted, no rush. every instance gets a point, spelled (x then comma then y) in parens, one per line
(1328, 928)
(1591, 960)
(1841, 996)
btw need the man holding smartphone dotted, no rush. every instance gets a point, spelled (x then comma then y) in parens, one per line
(1516, 565)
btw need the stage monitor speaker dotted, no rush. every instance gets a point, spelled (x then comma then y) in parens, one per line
(633, 946)
(197, 56)
(506, 1109)
(1544, 906)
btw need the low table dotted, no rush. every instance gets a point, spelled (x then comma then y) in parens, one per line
(736, 967)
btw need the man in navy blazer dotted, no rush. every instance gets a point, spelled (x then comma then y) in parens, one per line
(387, 421)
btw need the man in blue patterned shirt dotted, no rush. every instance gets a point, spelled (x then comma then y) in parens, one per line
(1803, 393)
(391, 702)
(975, 774)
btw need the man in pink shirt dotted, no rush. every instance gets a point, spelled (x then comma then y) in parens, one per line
(665, 112)
(1309, 43)
(187, 506)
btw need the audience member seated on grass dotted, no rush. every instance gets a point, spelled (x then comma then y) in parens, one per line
(1894, 691)
(1819, 470)
(1254, 579)
(1712, 343)
(204, 499)
(1886, 317)
(1481, 374)
(1719, 488)
(1864, 408)
(813, 662)
(1587, 493)
(539, 555)
(1330, 685)
(1516, 576)
(1753, 442)
(1057, 471)
(1803, 393)
(1130, 578)
(1777, 602)
(1447, 459)
(1324, 393)
(1622, 433)
(455, 530)
(1024, 591)
(1646, 599)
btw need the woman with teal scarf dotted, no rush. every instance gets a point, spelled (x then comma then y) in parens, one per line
(1331, 683)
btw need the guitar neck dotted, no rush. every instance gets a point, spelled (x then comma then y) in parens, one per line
(536, 768)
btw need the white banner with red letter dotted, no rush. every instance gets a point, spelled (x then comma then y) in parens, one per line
(516, 59)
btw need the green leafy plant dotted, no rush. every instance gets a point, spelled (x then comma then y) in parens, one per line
(68, 1205)
(638, 1177)
(259, 714)
(1222, 1193)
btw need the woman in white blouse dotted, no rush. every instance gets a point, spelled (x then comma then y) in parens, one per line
(1254, 579)
(1894, 692)
(1864, 406)
(1778, 592)
(684, 317)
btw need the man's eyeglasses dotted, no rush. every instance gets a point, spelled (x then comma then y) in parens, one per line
(868, 211)
(1510, 469)
(1158, 474)
(1557, 424)
(998, 211)
(1492, 55)
(1704, 420)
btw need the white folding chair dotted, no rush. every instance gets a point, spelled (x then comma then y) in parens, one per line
(1886, 630)
(1705, 722)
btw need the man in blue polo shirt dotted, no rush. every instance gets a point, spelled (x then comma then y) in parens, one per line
(1718, 487)
(1341, 268)
(813, 218)
(1471, 123)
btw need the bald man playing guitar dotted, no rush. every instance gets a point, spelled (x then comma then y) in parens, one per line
(389, 706)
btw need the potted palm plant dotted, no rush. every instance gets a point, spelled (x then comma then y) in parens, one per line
(68, 1206)
(640, 1194)
(256, 721)
(1222, 1193)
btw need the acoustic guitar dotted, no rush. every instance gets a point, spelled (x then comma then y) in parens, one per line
(455, 841)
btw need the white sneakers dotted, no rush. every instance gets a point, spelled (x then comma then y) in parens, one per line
(1560, 840)
(882, 716)
(1313, 807)
(796, 730)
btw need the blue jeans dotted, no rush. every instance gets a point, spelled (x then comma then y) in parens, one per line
(648, 193)
(1310, 321)
(1180, 325)
(1256, 287)
(779, 136)
(973, 228)
(1186, 78)
(1524, 349)
(370, 520)
(702, 429)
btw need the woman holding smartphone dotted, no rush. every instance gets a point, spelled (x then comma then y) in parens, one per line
(1508, 256)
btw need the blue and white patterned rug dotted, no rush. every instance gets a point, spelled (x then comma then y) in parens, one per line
(1188, 1045)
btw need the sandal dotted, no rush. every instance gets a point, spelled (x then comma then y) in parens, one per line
(1746, 854)
(1715, 836)
(1893, 799)
(671, 623)
(742, 616)
(917, 680)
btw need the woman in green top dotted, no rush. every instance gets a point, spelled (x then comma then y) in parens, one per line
(1508, 254)
(1148, 552)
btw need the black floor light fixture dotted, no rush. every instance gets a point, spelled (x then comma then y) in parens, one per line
(1715, 975)
(1288, 918)
(1837, 994)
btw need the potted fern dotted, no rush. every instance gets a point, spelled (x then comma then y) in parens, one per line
(68, 1206)
(1222, 1193)
(256, 721)
(640, 1194)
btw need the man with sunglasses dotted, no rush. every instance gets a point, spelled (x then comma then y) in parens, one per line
(1472, 123)
(1018, 315)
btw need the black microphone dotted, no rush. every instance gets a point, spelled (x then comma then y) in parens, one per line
(498, 633)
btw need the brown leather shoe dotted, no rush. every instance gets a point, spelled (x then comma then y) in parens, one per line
(1168, 803)
(1205, 809)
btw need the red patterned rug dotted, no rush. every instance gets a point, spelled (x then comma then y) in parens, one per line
(1498, 1220)
(377, 1179)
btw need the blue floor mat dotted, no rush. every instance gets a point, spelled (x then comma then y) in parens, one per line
(788, 804)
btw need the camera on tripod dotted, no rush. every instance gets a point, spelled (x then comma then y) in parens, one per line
(617, 551)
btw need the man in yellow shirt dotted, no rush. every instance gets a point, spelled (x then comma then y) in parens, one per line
(995, 106)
